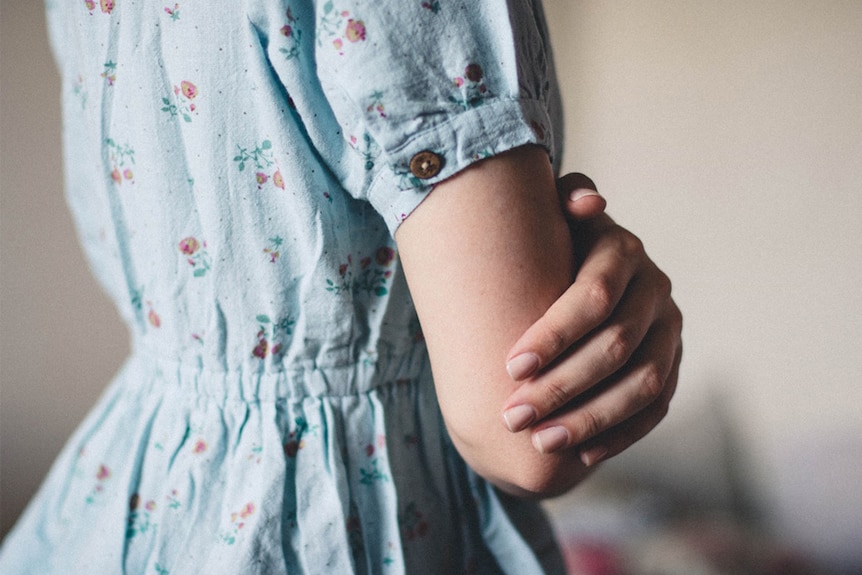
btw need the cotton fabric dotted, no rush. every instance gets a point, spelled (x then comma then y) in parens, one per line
(237, 170)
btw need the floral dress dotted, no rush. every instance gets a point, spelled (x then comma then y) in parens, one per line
(237, 170)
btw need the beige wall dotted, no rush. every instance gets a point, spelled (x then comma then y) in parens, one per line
(727, 135)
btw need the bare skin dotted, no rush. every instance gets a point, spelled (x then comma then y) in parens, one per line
(606, 347)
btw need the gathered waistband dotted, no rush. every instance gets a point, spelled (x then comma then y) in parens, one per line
(251, 383)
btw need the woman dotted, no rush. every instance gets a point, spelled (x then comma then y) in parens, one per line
(239, 173)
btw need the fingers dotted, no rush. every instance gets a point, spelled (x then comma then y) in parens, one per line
(579, 196)
(613, 416)
(601, 354)
(619, 438)
(602, 280)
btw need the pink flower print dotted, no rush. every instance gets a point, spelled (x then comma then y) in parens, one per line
(107, 6)
(154, 318)
(278, 180)
(339, 27)
(90, 4)
(243, 514)
(473, 89)
(384, 256)
(261, 179)
(375, 104)
(174, 12)
(368, 278)
(260, 349)
(190, 91)
(433, 5)
(182, 104)
(293, 34)
(271, 331)
(273, 250)
(473, 72)
(150, 505)
(110, 72)
(121, 158)
(174, 502)
(237, 520)
(199, 447)
(103, 473)
(196, 256)
(355, 31)
(189, 246)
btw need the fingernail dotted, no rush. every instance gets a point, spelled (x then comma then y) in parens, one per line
(576, 195)
(593, 455)
(522, 366)
(519, 417)
(551, 439)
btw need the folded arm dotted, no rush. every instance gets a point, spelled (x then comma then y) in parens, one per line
(482, 255)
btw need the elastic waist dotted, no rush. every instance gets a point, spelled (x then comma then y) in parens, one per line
(253, 383)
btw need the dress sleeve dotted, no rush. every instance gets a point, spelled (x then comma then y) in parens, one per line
(423, 88)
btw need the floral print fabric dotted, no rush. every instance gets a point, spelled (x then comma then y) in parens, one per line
(237, 171)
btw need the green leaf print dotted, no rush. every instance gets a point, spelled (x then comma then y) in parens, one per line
(260, 155)
(372, 475)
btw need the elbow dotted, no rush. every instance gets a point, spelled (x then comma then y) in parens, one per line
(511, 463)
(542, 481)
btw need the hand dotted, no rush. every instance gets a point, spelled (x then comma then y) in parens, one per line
(600, 367)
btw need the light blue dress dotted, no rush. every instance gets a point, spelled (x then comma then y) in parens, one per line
(237, 169)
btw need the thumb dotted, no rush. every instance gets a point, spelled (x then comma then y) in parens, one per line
(579, 197)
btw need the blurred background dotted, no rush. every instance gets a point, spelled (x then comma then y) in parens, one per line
(728, 136)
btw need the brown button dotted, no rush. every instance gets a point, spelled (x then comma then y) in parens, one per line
(426, 164)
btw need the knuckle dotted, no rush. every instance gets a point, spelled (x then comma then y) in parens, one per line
(590, 424)
(600, 296)
(555, 395)
(555, 337)
(620, 344)
(632, 245)
(652, 384)
(664, 285)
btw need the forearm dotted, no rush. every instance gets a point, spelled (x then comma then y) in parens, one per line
(485, 255)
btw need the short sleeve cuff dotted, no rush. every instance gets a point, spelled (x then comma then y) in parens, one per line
(433, 155)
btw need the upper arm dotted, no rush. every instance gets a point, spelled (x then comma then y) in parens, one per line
(485, 255)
